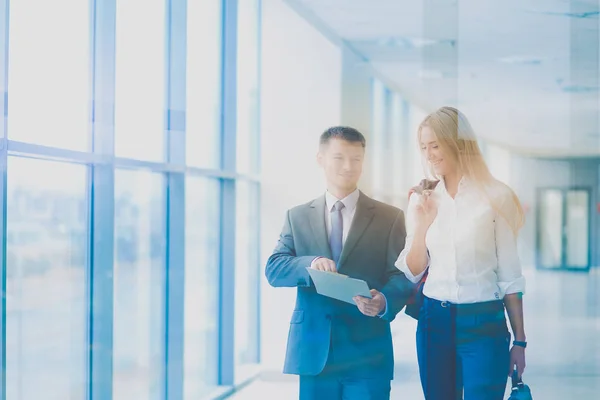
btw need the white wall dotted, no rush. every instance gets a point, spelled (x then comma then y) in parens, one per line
(300, 98)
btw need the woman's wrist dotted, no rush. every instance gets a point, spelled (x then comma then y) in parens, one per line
(421, 230)
(521, 338)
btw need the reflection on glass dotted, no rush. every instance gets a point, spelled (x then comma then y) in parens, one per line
(140, 79)
(139, 281)
(48, 72)
(551, 229)
(201, 286)
(203, 83)
(247, 87)
(577, 228)
(46, 292)
(246, 275)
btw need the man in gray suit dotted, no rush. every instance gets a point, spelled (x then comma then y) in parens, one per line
(341, 350)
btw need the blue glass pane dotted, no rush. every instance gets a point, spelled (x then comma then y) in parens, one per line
(247, 86)
(247, 272)
(201, 286)
(140, 79)
(46, 289)
(139, 286)
(49, 72)
(203, 115)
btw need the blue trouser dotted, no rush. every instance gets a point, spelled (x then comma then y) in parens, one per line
(343, 382)
(463, 347)
(339, 387)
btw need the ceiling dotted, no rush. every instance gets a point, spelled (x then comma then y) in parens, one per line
(525, 72)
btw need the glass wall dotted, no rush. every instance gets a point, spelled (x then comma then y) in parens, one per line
(417, 166)
(247, 276)
(140, 79)
(48, 72)
(202, 260)
(203, 75)
(392, 142)
(114, 181)
(401, 141)
(46, 280)
(139, 285)
(247, 259)
(247, 81)
(376, 144)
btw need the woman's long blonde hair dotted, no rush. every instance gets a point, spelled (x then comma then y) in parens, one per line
(457, 139)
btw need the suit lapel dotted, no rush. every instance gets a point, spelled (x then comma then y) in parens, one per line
(317, 224)
(362, 219)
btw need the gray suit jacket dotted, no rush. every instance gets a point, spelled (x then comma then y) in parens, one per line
(361, 345)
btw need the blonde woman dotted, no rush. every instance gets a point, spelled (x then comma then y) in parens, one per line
(463, 234)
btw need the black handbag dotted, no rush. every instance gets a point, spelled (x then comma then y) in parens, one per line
(519, 391)
(413, 306)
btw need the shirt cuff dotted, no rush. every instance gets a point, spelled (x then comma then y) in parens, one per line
(403, 266)
(514, 286)
(313, 260)
(386, 307)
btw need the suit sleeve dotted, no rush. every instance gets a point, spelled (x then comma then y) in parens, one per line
(284, 268)
(398, 288)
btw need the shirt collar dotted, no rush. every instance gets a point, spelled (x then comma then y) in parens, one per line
(349, 201)
(463, 183)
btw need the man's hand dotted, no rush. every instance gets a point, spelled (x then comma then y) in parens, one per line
(323, 264)
(370, 307)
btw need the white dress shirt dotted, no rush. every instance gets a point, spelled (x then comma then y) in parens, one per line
(347, 212)
(472, 249)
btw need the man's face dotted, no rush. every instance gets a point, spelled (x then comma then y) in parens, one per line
(342, 162)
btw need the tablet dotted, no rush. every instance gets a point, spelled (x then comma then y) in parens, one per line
(339, 286)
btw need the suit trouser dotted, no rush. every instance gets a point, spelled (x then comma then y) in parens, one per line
(337, 382)
(463, 348)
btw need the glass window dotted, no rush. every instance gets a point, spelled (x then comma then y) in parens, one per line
(247, 87)
(140, 79)
(46, 280)
(203, 92)
(399, 148)
(377, 142)
(418, 167)
(139, 286)
(246, 277)
(49, 73)
(201, 286)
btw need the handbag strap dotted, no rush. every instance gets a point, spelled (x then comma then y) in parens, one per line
(516, 380)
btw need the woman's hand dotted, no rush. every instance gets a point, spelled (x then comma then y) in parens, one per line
(517, 360)
(426, 209)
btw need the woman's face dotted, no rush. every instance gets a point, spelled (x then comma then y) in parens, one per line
(442, 163)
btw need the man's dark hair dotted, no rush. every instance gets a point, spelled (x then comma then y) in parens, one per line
(345, 133)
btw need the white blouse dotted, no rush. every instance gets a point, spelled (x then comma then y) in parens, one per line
(472, 250)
